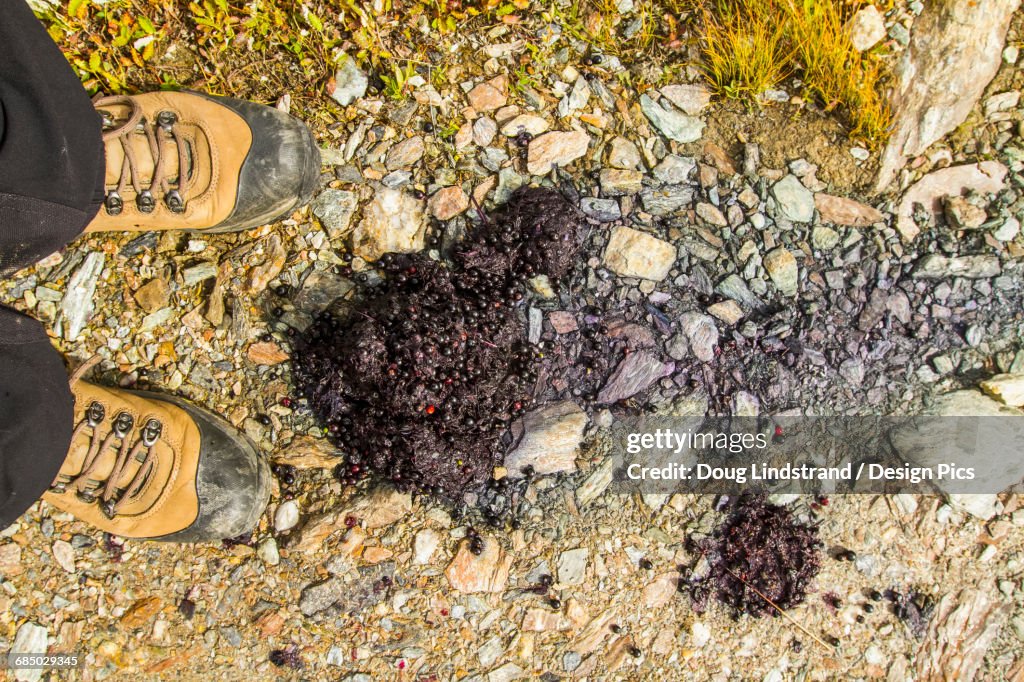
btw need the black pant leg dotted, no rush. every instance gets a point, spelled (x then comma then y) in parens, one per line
(51, 185)
(36, 414)
(51, 150)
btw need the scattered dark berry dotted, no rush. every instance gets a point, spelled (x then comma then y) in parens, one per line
(555, 603)
(428, 127)
(282, 289)
(646, 564)
(868, 608)
(187, 608)
(615, 628)
(546, 580)
(635, 651)
(875, 595)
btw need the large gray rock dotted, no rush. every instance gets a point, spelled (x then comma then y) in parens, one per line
(953, 54)
(349, 82)
(335, 208)
(673, 124)
(971, 430)
(392, 222)
(79, 299)
(549, 439)
(795, 201)
(30, 639)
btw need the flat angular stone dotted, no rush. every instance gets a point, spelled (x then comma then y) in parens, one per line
(79, 297)
(710, 214)
(555, 149)
(674, 169)
(488, 572)
(667, 200)
(867, 28)
(572, 566)
(782, 268)
(448, 202)
(525, 123)
(633, 374)
(349, 83)
(547, 439)
(602, 210)
(1006, 388)
(702, 333)
(563, 321)
(632, 253)
(961, 631)
(153, 295)
(335, 208)
(843, 211)
(392, 222)
(691, 98)
(623, 154)
(673, 124)
(735, 288)
(405, 153)
(727, 311)
(986, 177)
(616, 182)
(29, 639)
(937, 266)
(490, 95)
(576, 99)
(795, 201)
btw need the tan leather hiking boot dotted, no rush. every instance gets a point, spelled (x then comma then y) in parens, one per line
(147, 466)
(184, 160)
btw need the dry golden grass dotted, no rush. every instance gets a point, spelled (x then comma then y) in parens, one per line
(833, 71)
(750, 46)
(744, 46)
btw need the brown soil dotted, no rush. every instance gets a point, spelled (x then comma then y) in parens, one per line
(786, 132)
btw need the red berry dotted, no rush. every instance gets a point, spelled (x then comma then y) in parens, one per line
(778, 430)
(431, 409)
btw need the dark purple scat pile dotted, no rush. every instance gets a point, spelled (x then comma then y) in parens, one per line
(759, 548)
(419, 383)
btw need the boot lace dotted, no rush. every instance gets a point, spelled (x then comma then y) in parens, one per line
(165, 127)
(131, 442)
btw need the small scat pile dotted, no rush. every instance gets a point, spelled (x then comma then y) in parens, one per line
(759, 546)
(419, 383)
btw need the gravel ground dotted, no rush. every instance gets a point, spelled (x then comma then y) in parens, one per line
(742, 281)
